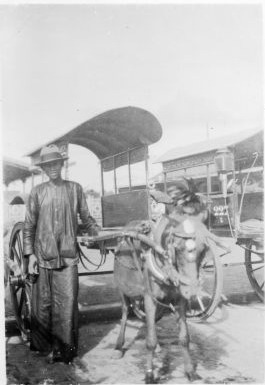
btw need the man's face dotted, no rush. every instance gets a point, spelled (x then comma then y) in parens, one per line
(53, 169)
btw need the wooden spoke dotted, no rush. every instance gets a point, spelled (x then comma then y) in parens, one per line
(257, 268)
(19, 244)
(201, 303)
(254, 263)
(16, 256)
(20, 292)
(17, 289)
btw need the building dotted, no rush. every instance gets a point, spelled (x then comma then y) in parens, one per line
(228, 170)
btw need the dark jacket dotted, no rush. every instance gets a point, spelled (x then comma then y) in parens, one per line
(51, 223)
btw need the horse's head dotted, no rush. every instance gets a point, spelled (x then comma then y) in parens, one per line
(185, 248)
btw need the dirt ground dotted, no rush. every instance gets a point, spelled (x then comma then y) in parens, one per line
(228, 348)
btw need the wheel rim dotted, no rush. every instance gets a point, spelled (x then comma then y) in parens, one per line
(255, 269)
(20, 289)
(208, 296)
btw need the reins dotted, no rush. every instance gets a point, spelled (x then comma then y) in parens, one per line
(83, 257)
(166, 275)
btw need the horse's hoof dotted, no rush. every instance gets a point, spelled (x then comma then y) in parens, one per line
(117, 354)
(193, 376)
(149, 378)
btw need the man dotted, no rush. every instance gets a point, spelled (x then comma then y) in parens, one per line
(50, 245)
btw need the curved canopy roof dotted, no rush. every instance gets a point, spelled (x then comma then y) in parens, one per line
(113, 132)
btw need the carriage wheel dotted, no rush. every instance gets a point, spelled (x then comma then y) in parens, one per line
(20, 288)
(254, 260)
(211, 286)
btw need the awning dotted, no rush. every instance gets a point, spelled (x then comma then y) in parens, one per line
(15, 170)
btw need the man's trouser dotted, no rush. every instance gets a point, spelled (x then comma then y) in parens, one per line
(54, 320)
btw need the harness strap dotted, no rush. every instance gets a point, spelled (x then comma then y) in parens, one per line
(184, 235)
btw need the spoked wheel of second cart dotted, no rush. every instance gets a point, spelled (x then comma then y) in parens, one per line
(20, 288)
(209, 294)
(254, 261)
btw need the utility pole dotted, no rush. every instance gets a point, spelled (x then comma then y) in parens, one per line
(208, 129)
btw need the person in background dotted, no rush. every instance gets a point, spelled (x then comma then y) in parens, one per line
(50, 245)
(158, 201)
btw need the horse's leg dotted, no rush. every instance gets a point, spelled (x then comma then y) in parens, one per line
(151, 339)
(184, 340)
(120, 341)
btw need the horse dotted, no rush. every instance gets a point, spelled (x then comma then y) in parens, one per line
(162, 269)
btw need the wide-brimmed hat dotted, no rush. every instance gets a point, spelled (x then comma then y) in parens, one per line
(50, 154)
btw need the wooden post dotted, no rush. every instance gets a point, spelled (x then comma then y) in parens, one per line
(208, 175)
(102, 178)
(146, 166)
(129, 170)
(147, 180)
(23, 185)
(165, 181)
(209, 190)
(115, 176)
(235, 199)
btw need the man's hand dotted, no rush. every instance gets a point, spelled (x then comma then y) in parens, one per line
(94, 230)
(33, 264)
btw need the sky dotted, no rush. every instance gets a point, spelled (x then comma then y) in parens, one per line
(197, 67)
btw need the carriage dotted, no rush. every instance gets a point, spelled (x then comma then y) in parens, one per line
(228, 172)
(120, 139)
